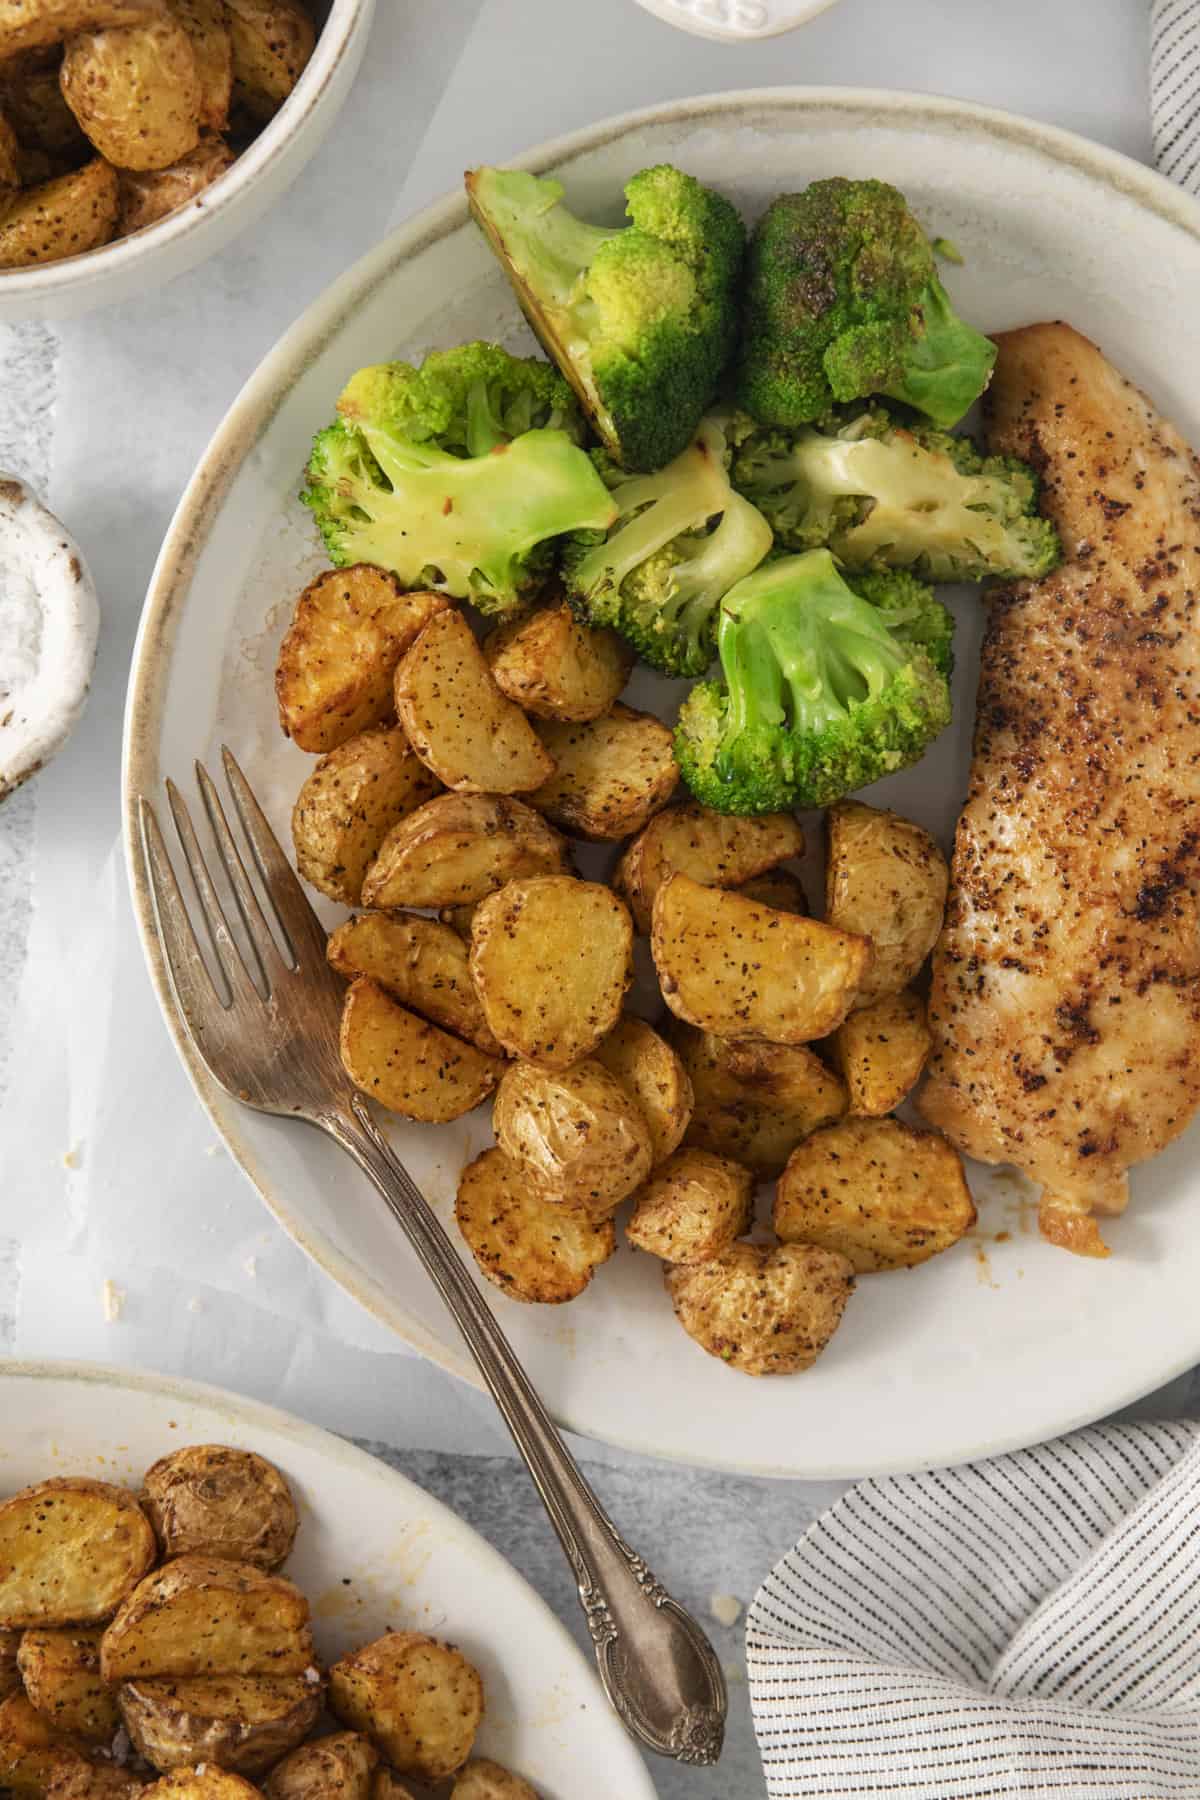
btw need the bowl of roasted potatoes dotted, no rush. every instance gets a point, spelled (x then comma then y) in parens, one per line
(139, 136)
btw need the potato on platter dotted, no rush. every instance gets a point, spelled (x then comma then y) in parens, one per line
(577, 1135)
(459, 848)
(471, 735)
(65, 216)
(36, 24)
(213, 1500)
(10, 1675)
(886, 879)
(79, 1780)
(148, 195)
(692, 1207)
(763, 1309)
(743, 970)
(649, 1069)
(207, 25)
(550, 958)
(713, 848)
(60, 1670)
(135, 90)
(882, 1193)
(408, 1065)
(880, 1052)
(349, 804)
(609, 776)
(419, 1700)
(205, 1782)
(754, 1102)
(205, 1615)
(556, 668)
(272, 42)
(779, 888)
(423, 964)
(337, 663)
(32, 1752)
(483, 1780)
(343, 1766)
(71, 1549)
(529, 1247)
(240, 1722)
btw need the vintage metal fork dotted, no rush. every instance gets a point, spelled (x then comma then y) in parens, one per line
(268, 1034)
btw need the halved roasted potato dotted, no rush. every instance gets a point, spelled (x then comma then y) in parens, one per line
(135, 91)
(692, 1207)
(880, 1052)
(10, 1675)
(70, 1551)
(483, 1780)
(713, 848)
(342, 1766)
(214, 1500)
(648, 1067)
(743, 970)
(148, 195)
(457, 849)
(780, 888)
(556, 668)
(207, 25)
(37, 24)
(576, 1134)
(609, 776)
(886, 879)
(350, 803)
(408, 1065)
(240, 1722)
(60, 1669)
(62, 217)
(530, 1248)
(79, 1780)
(766, 1310)
(32, 1752)
(882, 1193)
(754, 1102)
(203, 1615)
(471, 735)
(550, 959)
(421, 963)
(205, 1782)
(420, 1700)
(272, 42)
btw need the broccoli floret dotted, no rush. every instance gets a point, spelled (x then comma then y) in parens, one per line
(883, 495)
(827, 687)
(462, 475)
(681, 539)
(642, 318)
(843, 300)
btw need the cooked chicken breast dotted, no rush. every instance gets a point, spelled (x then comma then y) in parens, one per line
(1066, 983)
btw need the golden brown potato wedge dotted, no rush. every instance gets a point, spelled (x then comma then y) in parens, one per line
(408, 1065)
(714, 849)
(272, 42)
(62, 217)
(205, 1782)
(459, 848)
(692, 1208)
(207, 25)
(239, 1722)
(420, 1700)
(648, 1067)
(36, 24)
(342, 1766)
(135, 91)
(35, 109)
(79, 1780)
(886, 879)
(148, 195)
(421, 963)
(764, 1310)
(609, 776)
(883, 1194)
(32, 1752)
(70, 1551)
(779, 888)
(349, 804)
(550, 959)
(459, 723)
(10, 1675)
(530, 1248)
(754, 1102)
(213, 1500)
(483, 1780)
(337, 664)
(743, 970)
(204, 1615)
(60, 1669)
(576, 1134)
(556, 668)
(880, 1052)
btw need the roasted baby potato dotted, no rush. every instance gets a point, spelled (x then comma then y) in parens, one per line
(692, 1208)
(212, 1500)
(148, 195)
(550, 959)
(459, 723)
(135, 91)
(337, 664)
(203, 1615)
(421, 963)
(207, 25)
(62, 217)
(70, 1551)
(32, 1752)
(421, 1701)
(348, 805)
(880, 1052)
(714, 849)
(743, 970)
(576, 1134)
(650, 1070)
(240, 1722)
(457, 849)
(408, 1065)
(779, 888)
(881, 1193)
(36, 24)
(272, 42)
(556, 668)
(60, 1668)
(205, 1782)
(754, 1102)
(609, 776)
(79, 1780)
(529, 1247)
(339, 1767)
(483, 1780)
(10, 1675)
(764, 1310)
(885, 879)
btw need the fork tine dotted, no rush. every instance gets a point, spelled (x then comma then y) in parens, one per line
(300, 925)
(242, 985)
(270, 960)
(193, 985)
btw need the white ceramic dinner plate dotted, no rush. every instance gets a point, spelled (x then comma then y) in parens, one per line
(373, 1553)
(1004, 1340)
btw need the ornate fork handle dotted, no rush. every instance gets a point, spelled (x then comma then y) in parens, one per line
(658, 1668)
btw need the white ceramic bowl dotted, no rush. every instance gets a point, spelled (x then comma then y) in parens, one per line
(736, 21)
(132, 265)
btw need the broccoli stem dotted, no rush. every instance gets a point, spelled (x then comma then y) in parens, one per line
(949, 364)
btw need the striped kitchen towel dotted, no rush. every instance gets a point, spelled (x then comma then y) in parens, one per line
(1175, 89)
(1026, 1626)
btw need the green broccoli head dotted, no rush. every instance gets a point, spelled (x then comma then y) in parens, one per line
(462, 476)
(641, 319)
(843, 300)
(826, 687)
(880, 494)
(680, 540)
